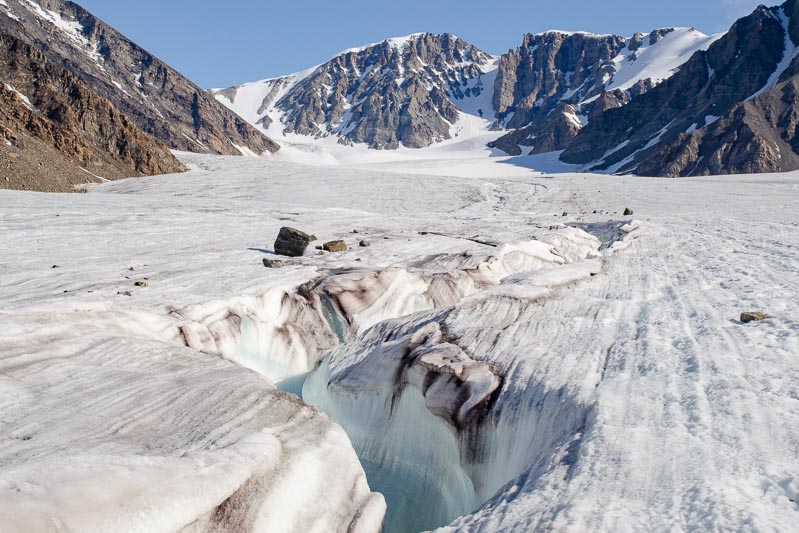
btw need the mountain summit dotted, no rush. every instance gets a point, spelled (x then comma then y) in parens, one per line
(406, 91)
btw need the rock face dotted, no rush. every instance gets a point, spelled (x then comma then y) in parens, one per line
(730, 109)
(56, 134)
(556, 82)
(405, 91)
(158, 99)
(292, 242)
(533, 79)
(548, 134)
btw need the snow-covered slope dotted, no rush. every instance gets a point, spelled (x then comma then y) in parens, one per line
(406, 91)
(109, 424)
(656, 60)
(523, 369)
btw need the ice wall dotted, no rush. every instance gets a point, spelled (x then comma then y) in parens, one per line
(432, 413)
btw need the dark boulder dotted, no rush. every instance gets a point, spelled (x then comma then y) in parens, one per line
(292, 242)
(752, 317)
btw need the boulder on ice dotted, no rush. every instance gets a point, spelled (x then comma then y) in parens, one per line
(292, 242)
(752, 317)
(335, 246)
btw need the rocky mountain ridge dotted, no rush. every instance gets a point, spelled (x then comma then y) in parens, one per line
(730, 109)
(422, 89)
(157, 98)
(55, 134)
(672, 102)
(400, 92)
(556, 82)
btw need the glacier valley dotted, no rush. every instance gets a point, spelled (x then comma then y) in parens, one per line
(510, 352)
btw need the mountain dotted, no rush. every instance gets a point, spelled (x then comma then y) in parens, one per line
(157, 98)
(673, 102)
(407, 91)
(730, 109)
(56, 134)
(556, 82)
(421, 89)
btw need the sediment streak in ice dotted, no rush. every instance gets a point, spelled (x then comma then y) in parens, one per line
(282, 332)
(109, 429)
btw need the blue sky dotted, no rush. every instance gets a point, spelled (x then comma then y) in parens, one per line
(222, 43)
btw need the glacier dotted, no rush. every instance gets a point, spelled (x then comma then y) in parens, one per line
(487, 364)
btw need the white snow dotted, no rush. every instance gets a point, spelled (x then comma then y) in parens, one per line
(480, 107)
(659, 61)
(196, 141)
(254, 101)
(121, 88)
(630, 398)
(244, 150)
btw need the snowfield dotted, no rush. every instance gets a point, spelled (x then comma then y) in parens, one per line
(509, 353)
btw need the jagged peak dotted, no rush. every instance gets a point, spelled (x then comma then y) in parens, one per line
(654, 35)
(393, 42)
(569, 33)
(398, 43)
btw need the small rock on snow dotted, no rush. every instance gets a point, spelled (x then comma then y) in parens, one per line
(752, 317)
(335, 246)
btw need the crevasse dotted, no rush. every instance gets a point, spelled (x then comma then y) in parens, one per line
(436, 423)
